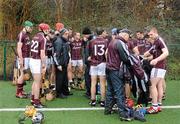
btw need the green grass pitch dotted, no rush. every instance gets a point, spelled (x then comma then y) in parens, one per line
(8, 100)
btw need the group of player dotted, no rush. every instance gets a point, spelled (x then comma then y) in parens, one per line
(98, 56)
(31, 54)
(44, 57)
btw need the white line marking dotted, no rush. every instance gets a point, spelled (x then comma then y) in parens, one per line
(71, 109)
(169, 107)
(52, 109)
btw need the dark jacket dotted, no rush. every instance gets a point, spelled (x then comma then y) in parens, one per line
(61, 51)
(86, 50)
(116, 55)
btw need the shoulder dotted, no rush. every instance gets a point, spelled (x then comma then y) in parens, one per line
(120, 42)
(160, 42)
(21, 35)
(79, 42)
(41, 37)
(38, 35)
(57, 39)
(73, 41)
(93, 40)
(116, 43)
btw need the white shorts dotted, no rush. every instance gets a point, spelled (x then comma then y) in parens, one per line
(158, 73)
(35, 66)
(26, 63)
(49, 62)
(77, 62)
(98, 70)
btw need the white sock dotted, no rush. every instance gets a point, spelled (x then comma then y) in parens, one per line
(159, 104)
(70, 80)
(155, 106)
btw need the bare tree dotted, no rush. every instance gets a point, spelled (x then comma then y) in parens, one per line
(59, 9)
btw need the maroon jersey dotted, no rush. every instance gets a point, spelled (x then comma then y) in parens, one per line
(131, 45)
(116, 54)
(76, 49)
(38, 44)
(147, 46)
(143, 46)
(156, 51)
(113, 59)
(23, 37)
(97, 48)
(49, 48)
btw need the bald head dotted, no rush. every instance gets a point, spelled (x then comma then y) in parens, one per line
(124, 35)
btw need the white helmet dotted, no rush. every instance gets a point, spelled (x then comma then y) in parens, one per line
(38, 118)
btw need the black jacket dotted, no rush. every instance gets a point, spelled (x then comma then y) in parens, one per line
(86, 50)
(61, 51)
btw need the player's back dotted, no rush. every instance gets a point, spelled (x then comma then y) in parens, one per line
(97, 49)
(38, 44)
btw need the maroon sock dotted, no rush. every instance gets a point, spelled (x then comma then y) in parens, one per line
(32, 97)
(36, 101)
(19, 88)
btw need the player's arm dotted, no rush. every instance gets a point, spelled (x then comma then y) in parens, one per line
(135, 47)
(164, 54)
(106, 53)
(135, 50)
(19, 50)
(88, 47)
(43, 55)
(148, 53)
(69, 51)
(43, 61)
(147, 56)
(43, 58)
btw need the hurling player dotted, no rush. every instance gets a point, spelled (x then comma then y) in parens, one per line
(38, 62)
(159, 51)
(97, 48)
(23, 50)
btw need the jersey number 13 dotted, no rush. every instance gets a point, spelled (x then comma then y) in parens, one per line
(99, 49)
